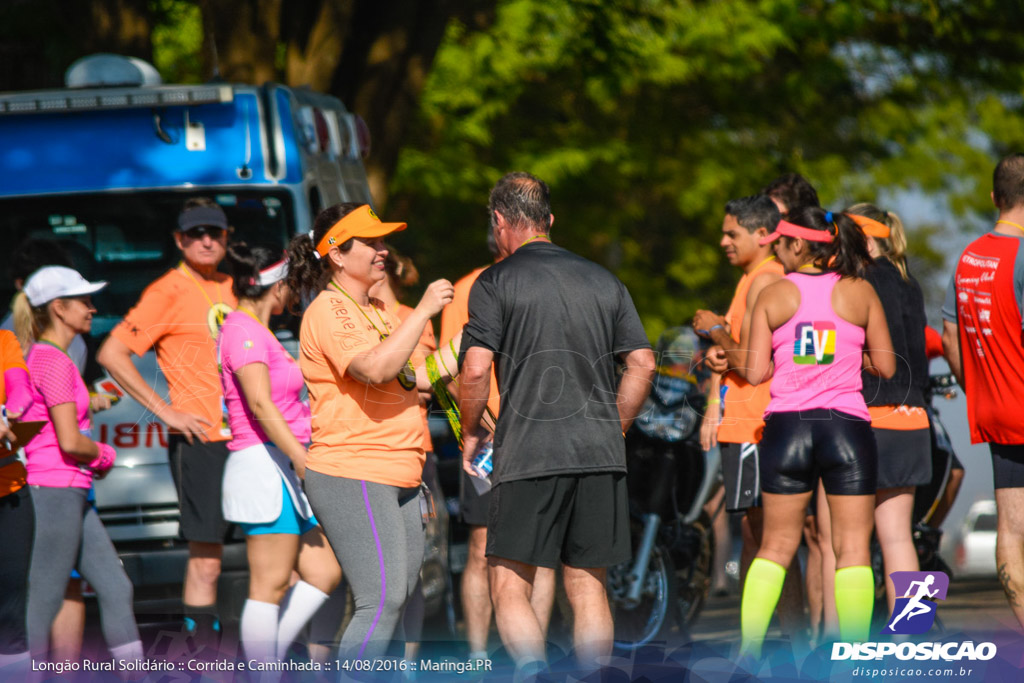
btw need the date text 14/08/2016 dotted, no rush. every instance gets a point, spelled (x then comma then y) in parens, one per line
(432, 665)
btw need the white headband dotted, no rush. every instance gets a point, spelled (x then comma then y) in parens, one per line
(273, 273)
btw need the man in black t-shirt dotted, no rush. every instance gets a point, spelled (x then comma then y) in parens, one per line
(554, 323)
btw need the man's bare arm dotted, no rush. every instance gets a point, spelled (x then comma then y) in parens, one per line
(474, 388)
(736, 353)
(116, 358)
(635, 384)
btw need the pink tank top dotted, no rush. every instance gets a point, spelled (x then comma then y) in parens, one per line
(818, 355)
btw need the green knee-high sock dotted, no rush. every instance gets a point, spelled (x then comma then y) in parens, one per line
(760, 595)
(855, 596)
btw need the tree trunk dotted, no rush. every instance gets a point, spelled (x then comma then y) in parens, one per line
(383, 69)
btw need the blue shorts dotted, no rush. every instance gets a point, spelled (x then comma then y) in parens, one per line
(288, 522)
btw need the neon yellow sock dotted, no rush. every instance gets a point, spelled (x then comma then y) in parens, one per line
(855, 598)
(760, 595)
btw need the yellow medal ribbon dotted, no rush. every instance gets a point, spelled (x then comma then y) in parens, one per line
(407, 377)
(218, 311)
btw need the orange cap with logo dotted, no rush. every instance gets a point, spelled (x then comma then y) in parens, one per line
(361, 222)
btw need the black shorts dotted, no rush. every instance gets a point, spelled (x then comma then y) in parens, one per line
(740, 475)
(198, 472)
(1007, 465)
(904, 457)
(473, 506)
(581, 520)
(800, 446)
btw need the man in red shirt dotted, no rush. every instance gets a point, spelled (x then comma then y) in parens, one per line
(984, 345)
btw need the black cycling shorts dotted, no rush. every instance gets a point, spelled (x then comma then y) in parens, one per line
(800, 446)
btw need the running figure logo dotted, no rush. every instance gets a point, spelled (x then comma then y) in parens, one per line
(914, 613)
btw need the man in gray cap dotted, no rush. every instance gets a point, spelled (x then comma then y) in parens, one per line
(179, 316)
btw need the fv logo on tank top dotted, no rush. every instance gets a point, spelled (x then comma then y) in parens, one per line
(815, 343)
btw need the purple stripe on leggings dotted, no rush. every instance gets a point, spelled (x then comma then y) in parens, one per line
(383, 576)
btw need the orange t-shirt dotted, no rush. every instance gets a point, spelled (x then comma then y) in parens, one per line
(12, 477)
(176, 315)
(361, 431)
(744, 403)
(455, 316)
(426, 346)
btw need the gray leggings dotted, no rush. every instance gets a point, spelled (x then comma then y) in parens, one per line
(68, 531)
(377, 534)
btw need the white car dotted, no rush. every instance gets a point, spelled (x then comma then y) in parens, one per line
(976, 549)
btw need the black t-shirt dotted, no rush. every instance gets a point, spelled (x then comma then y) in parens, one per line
(556, 323)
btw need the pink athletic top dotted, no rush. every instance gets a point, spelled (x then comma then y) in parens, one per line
(55, 380)
(244, 340)
(818, 355)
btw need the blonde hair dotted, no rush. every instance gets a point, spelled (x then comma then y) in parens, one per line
(893, 247)
(29, 321)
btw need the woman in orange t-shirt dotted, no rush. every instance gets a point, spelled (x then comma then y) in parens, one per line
(364, 467)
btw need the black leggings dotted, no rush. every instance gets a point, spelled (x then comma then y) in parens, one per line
(18, 521)
(800, 446)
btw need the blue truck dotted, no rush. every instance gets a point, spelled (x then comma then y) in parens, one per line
(103, 167)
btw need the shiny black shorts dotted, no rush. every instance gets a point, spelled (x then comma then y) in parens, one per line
(798, 447)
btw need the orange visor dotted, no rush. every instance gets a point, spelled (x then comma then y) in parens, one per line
(361, 222)
(870, 226)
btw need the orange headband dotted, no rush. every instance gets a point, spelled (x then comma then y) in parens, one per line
(785, 228)
(361, 222)
(870, 226)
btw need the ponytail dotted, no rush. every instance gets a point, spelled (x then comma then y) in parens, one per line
(847, 253)
(29, 322)
(308, 273)
(245, 263)
(893, 247)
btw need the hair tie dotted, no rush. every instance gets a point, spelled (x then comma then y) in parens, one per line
(252, 281)
(833, 226)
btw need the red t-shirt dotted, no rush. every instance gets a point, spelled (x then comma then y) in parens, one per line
(984, 299)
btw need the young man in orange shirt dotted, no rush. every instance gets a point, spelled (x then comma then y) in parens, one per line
(179, 315)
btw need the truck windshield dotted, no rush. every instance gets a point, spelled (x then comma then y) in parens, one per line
(127, 239)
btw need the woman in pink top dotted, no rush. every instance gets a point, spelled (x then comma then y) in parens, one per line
(262, 489)
(813, 332)
(62, 461)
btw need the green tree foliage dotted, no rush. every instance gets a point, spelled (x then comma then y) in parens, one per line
(645, 117)
(178, 41)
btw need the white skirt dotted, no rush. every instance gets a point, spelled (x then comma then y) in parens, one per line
(252, 485)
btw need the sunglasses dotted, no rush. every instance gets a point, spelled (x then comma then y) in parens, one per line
(201, 231)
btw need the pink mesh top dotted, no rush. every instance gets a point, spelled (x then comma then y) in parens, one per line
(55, 380)
(817, 354)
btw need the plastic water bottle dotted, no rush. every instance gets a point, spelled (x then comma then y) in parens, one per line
(482, 463)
